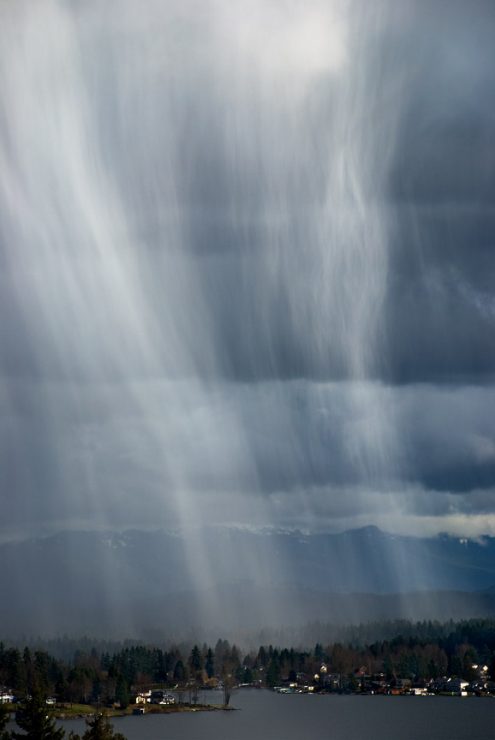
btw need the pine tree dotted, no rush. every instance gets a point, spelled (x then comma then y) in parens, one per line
(179, 671)
(33, 718)
(273, 673)
(99, 728)
(4, 718)
(195, 660)
(102, 729)
(122, 692)
(209, 664)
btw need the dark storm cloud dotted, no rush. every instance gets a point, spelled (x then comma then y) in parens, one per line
(288, 455)
(440, 297)
(438, 69)
(440, 301)
(184, 332)
(444, 153)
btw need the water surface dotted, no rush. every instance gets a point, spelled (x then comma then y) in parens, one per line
(268, 716)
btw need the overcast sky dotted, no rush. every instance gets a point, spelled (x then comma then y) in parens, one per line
(247, 268)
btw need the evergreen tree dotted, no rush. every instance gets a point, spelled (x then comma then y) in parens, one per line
(4, 718)
(319, 652)
(262, 657)
(122, 692)
(99, 728)
(247, 675)
(33, 718)
(209, 664)
(179, 671)
(195, 660)
(28, 671)
(273, 673)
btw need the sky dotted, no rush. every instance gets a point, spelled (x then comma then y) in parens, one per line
(247, 270)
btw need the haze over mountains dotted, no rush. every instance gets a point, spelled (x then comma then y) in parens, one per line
(135, 584)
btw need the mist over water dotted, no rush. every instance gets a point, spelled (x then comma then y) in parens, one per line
(199, 236)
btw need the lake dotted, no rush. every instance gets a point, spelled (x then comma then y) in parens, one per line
(266, 715)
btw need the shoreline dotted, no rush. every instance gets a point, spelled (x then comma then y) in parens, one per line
(86, 711)
(156, 709)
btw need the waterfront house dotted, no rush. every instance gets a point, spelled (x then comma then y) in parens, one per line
(6, 696)
(161, 697)
(143, 697)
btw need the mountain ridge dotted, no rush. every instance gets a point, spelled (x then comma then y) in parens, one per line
(137, 582)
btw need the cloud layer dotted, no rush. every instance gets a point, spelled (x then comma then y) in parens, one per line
(247, 265)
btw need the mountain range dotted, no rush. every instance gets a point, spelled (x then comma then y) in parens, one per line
(144, 584)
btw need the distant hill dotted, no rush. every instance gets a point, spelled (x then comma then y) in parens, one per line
(140, 584)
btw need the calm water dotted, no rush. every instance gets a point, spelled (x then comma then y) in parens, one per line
(267, 716)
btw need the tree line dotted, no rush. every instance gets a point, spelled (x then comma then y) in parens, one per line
(424, 651)
(33, 718)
